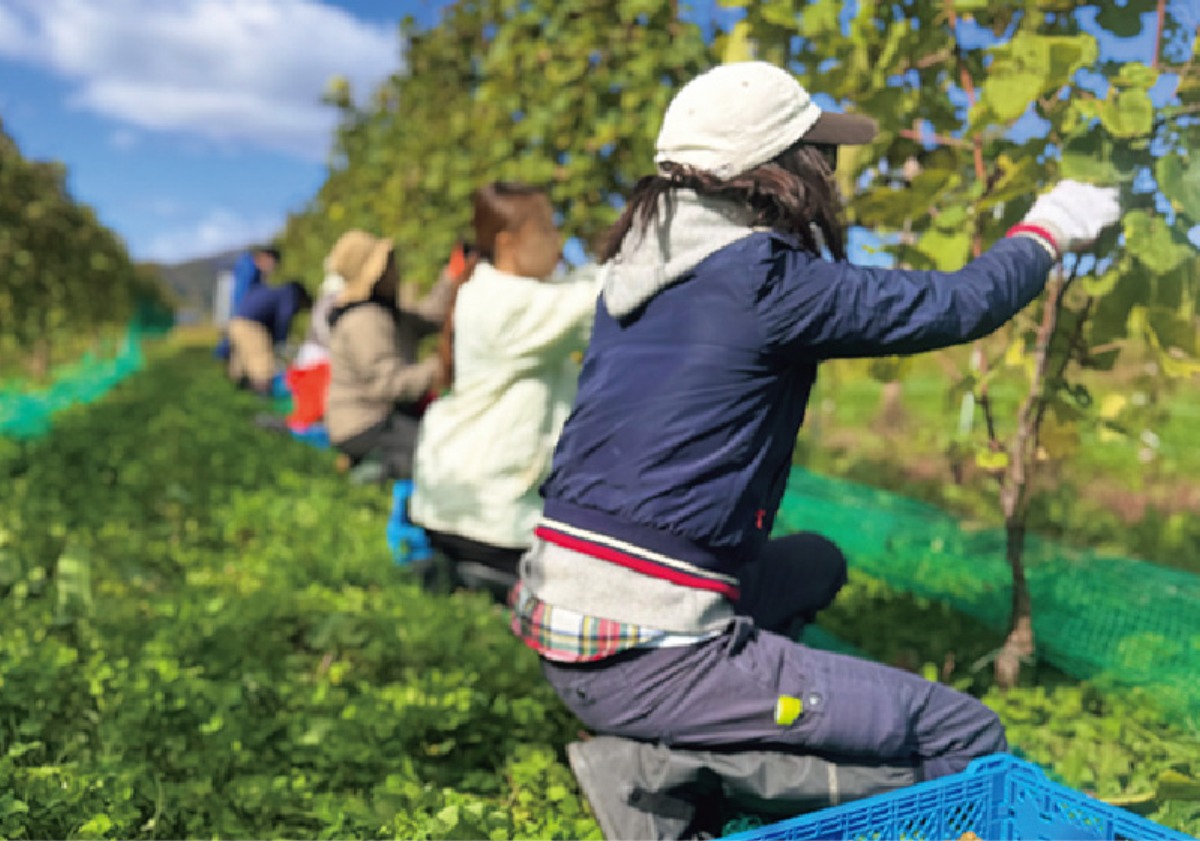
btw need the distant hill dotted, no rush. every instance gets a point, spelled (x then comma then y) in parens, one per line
(194, 282)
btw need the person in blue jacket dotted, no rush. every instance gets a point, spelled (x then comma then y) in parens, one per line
(251, 269)
(262, 322)
(660, 608)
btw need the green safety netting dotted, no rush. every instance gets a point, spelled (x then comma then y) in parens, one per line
(1096, 616)
(28, 413)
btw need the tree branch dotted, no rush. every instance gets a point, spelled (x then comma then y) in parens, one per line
(927, 61)
(968, 85)
(1076, 335)
(1013, 495)
(989, 417)
(985, 401)
(1176, 113)
(932, 59)
(941, 139)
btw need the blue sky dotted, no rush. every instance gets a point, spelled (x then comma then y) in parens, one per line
(190, 125)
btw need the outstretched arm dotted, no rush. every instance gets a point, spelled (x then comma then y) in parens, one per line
(819, 310)
(815, 309)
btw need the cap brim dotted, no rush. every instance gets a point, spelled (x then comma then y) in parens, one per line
(842, 130)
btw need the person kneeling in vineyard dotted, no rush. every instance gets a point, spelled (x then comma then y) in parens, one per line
(661, 610)
(262, 322)
(377, 389)
(251, 270)
(485, 446)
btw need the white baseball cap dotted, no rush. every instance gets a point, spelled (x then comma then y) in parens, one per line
(736, 116)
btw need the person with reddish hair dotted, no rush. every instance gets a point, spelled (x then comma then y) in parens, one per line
(485, 445)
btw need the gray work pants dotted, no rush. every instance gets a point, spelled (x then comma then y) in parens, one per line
(722, 692)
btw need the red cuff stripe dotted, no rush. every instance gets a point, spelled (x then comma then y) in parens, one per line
(1036, 230)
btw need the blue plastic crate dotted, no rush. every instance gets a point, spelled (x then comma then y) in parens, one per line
(408, 542)
(997, 797)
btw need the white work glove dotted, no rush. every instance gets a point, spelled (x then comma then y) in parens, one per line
(333, 284)
(1074, 214)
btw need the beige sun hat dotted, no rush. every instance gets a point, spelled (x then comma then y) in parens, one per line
(734, 117)
(360, 259)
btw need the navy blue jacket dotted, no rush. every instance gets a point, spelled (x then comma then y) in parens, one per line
(674, 459)
(273, 307)
(246, 276)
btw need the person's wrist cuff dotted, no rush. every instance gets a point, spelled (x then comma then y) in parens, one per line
(1045, 235)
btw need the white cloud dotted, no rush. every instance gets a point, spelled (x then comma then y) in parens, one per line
(12, 33)
(218, 230)
(236, 72)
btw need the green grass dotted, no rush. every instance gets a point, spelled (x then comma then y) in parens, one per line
(204, 636)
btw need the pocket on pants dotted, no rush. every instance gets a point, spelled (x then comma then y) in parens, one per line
(780, 667)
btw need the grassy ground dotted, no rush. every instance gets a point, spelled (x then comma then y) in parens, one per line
(204, 636)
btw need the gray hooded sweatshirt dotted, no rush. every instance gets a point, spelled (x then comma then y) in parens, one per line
(689, 228)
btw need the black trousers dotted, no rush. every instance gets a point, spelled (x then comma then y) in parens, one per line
(393, 441)
(461, 548)
(475, 565)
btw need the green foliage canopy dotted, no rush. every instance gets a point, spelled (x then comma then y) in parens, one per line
(566, 94)
(982, 105)
(61, 270)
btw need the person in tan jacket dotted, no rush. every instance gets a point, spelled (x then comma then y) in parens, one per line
(377, 386)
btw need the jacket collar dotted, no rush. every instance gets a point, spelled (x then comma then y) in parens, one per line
(688, 229)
